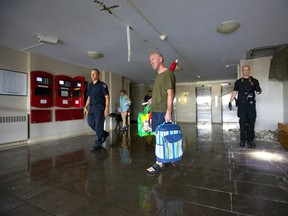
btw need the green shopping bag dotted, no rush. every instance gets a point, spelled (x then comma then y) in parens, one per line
(145, 122)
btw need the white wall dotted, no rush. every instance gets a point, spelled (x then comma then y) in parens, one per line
(269, 104)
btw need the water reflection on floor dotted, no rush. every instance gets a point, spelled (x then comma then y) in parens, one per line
(215, 176)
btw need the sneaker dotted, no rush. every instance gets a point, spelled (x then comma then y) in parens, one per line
(242, 143)
(251, 144)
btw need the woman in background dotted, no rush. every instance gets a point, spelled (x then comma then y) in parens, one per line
(125, 103)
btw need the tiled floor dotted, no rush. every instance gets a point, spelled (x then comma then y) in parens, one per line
(215, 177)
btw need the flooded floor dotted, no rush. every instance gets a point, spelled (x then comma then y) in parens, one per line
(215, 177)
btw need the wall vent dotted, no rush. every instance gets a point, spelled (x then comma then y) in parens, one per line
(10, 119)
(265, 51)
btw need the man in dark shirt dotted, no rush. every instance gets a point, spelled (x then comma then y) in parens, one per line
(246, 87)
(147, 97)
(98, 102)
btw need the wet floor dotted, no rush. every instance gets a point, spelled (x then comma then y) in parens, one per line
(215, 177)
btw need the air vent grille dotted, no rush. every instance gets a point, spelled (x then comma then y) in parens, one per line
(13, 127)
(12, 119)
(264, 51)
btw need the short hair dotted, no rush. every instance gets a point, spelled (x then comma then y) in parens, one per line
(158, 53)
(95, 69)
(246, 66)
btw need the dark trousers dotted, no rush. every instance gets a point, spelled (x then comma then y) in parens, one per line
(247, 115)
(157, 119)
(96, 121)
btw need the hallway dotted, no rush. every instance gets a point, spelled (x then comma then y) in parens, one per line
(215, 177)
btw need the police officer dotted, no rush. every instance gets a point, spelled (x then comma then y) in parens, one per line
(98, 102)
(246, 87)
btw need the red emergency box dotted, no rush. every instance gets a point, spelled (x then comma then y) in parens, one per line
(68, 114)
(78, 91)
(41, 84)
(40, 116)
(62, 93)
(63, 115)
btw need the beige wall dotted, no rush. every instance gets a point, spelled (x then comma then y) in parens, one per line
(15, 61)
(137, 94)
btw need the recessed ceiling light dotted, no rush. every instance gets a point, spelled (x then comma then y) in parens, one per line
(228, 27)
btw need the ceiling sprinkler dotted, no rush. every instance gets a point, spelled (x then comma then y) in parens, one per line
(163, 37)
(230, 65)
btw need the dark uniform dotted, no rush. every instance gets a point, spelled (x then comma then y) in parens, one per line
(96, 118)
(147, 98)
(246, 88)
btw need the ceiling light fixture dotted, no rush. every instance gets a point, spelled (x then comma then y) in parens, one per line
(228, 27)
(94, 55)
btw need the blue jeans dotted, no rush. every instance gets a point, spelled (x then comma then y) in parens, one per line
(157, 119)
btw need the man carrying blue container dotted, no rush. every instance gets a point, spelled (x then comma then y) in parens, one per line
(162, 100)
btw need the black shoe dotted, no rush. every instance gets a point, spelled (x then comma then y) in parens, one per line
(242, 143)
(95, 148)
(123, 128)
(105, 137)
(251, 144)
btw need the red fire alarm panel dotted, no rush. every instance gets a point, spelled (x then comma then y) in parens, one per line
(63, 87)
(78, 91)
(41, 89)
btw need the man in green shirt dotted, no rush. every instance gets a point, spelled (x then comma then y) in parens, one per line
(162, 98)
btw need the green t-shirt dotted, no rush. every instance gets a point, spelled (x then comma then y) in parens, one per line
(162, 83)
